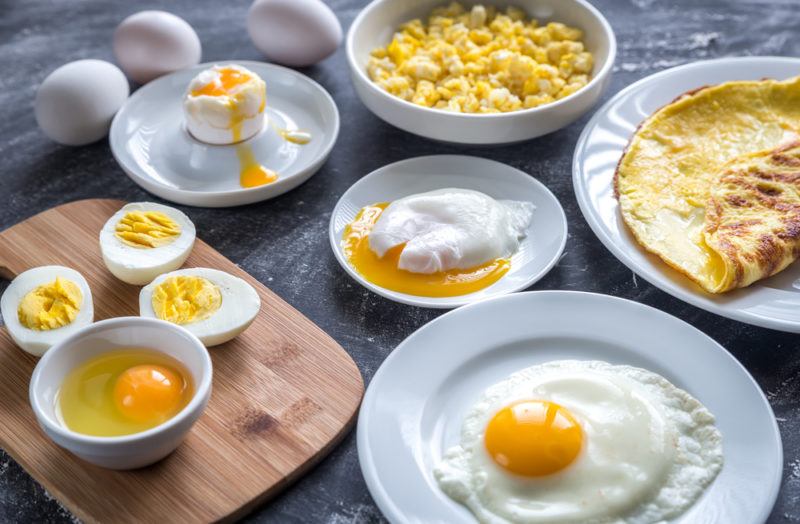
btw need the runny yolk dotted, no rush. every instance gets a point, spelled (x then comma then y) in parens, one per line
(228, 79)
(533, 438)
(385, 272)
(251, 173)
(149, 393)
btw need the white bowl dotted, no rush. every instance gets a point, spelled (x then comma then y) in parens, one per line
(127, 451)
(376, 24)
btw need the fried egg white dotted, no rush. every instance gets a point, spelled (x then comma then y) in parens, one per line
(143, 240)
(44, 305)
(575, 441)
(213, 305)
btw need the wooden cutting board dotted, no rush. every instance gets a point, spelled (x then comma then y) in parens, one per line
(284, 394)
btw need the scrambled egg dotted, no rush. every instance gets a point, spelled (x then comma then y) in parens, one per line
(481, 61)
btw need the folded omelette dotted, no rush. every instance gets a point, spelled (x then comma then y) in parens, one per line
(711, 182)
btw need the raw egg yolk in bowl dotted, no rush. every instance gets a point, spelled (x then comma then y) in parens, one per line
(123, 392)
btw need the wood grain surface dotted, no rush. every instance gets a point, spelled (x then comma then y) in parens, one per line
(284, 393)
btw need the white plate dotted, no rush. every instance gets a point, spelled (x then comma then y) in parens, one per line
(772, 303)
(414, 406)
(149, 140)
(537, 254)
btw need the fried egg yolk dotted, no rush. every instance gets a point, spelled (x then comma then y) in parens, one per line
(148, 392)
(147, 229)
(533, 438)
(50, 306)
(384, 271)
(123, 391)
(186, 299)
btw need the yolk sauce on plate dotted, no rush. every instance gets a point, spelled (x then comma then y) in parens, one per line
(385, 272)
(122, 392)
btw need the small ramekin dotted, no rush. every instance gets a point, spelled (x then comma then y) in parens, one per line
(127, 451)
(377, 22)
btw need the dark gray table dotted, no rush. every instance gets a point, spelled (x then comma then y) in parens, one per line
(284, 242)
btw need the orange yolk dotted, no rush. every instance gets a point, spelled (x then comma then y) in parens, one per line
(149, 393)
(533, 438)
(229, 78)
(251, 173)
(385, 273)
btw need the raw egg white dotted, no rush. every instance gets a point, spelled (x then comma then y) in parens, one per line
(75, 104)
(446, 242)
(573, 441)
(44, 305)
(149, 44)
(143, 240)
(215, 306)
(294, 32)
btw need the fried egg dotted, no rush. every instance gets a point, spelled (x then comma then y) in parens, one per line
(215, 306)
(582, 441)
(143, 240)
(441, 243)
(44, 305)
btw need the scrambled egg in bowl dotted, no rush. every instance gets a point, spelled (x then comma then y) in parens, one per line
(710, 182)
(481, 60)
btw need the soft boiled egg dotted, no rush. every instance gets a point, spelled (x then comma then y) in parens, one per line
(215, 306)
(143, 240)
(44, 305)
(582, 441)
(442, 243)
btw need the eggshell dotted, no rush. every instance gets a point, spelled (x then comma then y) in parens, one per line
(76, 102)
(149, 44)
(294, 32)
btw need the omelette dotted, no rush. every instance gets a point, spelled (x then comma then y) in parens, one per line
(709, 183)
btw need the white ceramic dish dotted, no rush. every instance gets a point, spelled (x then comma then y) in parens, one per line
(376, 23)
(128, 451)
(772, 303)
(149, 140)
(403, 429)
(538, 253)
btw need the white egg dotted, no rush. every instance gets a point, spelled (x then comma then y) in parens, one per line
(76, 103)
(237, 309)
(134, 262)
(294, 32)
(38, 341)
(149, 44)
(647, 449)
(450, 229)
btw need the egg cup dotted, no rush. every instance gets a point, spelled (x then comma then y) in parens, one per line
(128, 451)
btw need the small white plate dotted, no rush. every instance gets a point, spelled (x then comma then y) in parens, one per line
(537, 254)
(415, 404)
(772, 303)
(149, 140)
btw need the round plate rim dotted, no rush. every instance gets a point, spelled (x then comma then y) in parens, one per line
(367, 466)
(457, 301)
(240, 196)
(587, 209)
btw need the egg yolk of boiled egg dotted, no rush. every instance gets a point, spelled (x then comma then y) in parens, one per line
(533, 438)
(50, 306)
(147, 229)
(124, 391)
(384, 271)
(186, 299)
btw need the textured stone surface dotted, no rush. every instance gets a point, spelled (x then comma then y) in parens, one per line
(283, 242)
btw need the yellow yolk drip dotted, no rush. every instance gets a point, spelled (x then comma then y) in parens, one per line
(124, 391)
(185, 299)
(50, 306)
(295, 137)
(384, 271)
(147, 229)
(251, 173)
(229, 78)
(533, 438)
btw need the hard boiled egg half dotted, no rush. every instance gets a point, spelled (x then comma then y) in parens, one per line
(215, 306)
(143, 240)
(44, 305)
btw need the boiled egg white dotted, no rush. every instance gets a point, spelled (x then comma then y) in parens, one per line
(44, 305)
(143, 240)
(215, 306)
(575, 441)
